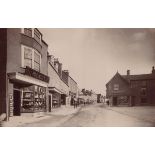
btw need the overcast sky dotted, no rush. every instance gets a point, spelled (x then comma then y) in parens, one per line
(93, 56)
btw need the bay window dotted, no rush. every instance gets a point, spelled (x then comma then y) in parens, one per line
(28, 32)
(37, 35)
(31, 58)
(32, 32)
(36, 61)
(28, 57)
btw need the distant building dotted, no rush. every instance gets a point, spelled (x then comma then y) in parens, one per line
(58, 87)
(100, 98)
(131, 89)
(73, 89)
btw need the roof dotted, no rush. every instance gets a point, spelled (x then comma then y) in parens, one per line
(117, 74)
(128, 78)
(139, 77)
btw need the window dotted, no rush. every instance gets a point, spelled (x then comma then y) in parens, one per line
(143, 91)
(143, 100)
(28, 32)
(116, 86)
(36, 61)
(31, 58)
(31, 32)
(37, 35)
(27, 57)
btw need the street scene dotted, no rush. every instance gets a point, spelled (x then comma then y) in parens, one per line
(77, 77)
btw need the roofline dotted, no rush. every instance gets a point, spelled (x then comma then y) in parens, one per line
(72, 79)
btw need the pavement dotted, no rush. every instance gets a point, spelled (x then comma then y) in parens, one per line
(94, 115)
(24, 120)
(146, 113)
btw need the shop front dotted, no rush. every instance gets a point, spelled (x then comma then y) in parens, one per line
(27, 93)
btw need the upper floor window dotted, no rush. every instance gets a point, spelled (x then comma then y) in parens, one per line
(37, 61)
(31, 58)
(116, 86)
(28, 32)
(31, 32)
(28, 57)
(37, 35)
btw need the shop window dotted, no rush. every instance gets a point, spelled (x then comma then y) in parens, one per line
(116, 87)
(34, 99)
(28, 32)
(143, 100)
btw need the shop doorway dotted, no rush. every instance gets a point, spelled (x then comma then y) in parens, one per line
(17, 102)
(114, 101)
(63, 99)
(50, 102)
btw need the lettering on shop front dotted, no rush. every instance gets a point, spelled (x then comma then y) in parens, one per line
(30, 72)
(11, 104)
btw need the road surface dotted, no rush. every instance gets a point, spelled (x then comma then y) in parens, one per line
(95, 115)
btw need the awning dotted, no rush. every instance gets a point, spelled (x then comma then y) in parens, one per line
(18, 77)
(53, 89)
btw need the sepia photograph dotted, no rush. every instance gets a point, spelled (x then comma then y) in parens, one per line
(77, 77)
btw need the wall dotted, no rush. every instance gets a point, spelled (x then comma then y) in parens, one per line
(123, 85)
(72, 85)
(56, 81)
(13, 50)
(3, 61)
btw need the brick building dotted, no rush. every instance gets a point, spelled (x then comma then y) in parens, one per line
(23, 71)
(131, 89)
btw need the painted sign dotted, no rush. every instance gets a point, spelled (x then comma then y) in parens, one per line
(11, 104)
(33, 73)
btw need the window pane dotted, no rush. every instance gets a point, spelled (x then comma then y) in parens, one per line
(37, 35)
(116, 87)
(36, 57)
(36, 66)
(28, 62)
(28, 32)
(27, 53)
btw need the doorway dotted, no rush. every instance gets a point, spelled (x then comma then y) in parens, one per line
(50, 102)
(17, 102)
(114, 101)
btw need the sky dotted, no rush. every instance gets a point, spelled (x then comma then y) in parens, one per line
(93, 56)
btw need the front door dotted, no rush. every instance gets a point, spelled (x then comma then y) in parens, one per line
(16, 103)
(50, 103)
(114, 101)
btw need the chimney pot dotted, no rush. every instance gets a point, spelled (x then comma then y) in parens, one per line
(128, 72)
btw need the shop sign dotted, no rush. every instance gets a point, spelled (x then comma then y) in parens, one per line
(11, 104)
(33, 73)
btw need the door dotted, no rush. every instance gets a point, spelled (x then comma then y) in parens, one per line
(50, 103)
(114, 101)
(17, 103)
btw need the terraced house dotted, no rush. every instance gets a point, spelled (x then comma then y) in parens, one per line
(23, 71)
(131, 90)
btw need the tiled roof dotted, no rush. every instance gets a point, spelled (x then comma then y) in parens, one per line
(139, 77)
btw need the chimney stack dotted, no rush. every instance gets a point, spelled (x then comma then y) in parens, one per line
(153, 70)
(128, 72)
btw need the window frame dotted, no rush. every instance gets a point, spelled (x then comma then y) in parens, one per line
(35, 34)
(33, 59)
(114, 87)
